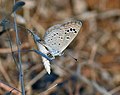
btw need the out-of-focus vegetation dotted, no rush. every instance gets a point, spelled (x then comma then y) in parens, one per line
(97, 49)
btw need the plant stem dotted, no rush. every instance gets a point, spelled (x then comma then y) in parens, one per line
(19, 56)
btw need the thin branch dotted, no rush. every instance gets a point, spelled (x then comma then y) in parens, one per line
(19, 55)
(116, 89)
(9, 88)
(40, 75)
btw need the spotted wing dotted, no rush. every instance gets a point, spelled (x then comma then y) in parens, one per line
(58, 37)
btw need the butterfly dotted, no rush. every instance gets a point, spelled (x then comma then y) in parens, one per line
(58, 37)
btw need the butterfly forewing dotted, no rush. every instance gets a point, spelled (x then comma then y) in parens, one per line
(58, 37)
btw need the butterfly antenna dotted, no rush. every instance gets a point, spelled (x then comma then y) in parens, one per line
(35, 36)
(13, 55)
(74, 58)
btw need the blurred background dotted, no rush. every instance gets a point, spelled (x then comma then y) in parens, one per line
(96, 48)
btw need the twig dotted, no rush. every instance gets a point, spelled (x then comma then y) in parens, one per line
(4, 72)
(9, 88)
(93, 53)
(104, 15)
(102, 90)
(19, 55)
(113, 91)
(8, 50)
(48, 90)
(35, 79)
(52, 87)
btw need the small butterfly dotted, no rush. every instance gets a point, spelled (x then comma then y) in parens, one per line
(58, 37)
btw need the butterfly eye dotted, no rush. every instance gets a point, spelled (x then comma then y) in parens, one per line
(49, 55)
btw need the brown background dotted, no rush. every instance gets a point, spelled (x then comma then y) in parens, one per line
(97, 49)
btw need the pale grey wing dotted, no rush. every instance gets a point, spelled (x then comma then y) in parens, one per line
(59, 37)
(70, 29)
(53, 38)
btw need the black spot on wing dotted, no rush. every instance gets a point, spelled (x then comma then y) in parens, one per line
(71, 29)
(67, 37)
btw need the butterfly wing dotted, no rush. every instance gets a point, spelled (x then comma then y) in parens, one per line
(71, 29)
(58, 37)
